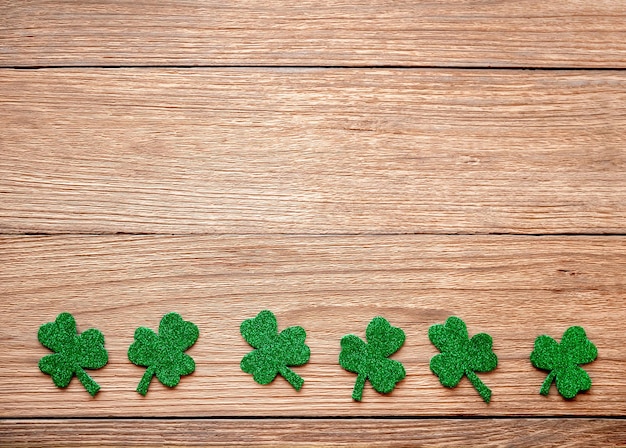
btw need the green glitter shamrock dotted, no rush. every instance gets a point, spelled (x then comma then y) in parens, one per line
(274, 352)
(461, 355)
(164, 354)
(369, 360)
(563, 361)
(73, 352)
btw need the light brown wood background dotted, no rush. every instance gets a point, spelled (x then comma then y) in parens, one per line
(328, 161)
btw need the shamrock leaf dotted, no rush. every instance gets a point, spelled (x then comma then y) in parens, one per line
(563, 361)
(73, 352)
(274, 352)
(164, 354)
(369, 360)
(461, 355)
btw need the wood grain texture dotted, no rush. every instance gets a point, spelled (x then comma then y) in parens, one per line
(312, 151)
(327, 195)
(510, 433)
(522, 33)
(514, 288)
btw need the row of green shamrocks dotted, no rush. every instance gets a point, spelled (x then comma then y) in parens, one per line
(164, 354)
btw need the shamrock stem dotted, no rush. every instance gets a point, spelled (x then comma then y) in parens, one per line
(357, 393)
(87, 381)
(143, 385)
(483, 390)
(545, 387)
(292, 377)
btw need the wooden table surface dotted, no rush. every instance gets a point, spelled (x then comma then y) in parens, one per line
(331, 162)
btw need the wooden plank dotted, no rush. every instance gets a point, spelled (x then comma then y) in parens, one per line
(512, 287)
(321, 33)
(312, 151)
(545, 432)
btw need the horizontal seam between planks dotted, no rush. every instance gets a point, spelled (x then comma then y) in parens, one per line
(307, 67)
(330, 417)
(504, 234)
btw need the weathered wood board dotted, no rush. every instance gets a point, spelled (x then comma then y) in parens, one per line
(514, 288)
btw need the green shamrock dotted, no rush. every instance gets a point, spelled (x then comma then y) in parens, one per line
(461, 355)
(274, 352)
(563, 361)
(164, 354)
(73, 352)
(370, 360)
